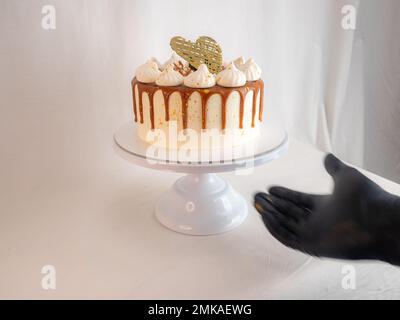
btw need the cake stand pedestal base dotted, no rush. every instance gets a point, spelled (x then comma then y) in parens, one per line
(201, 204)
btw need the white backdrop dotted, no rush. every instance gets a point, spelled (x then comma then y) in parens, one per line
(379, 36)
(69, 88)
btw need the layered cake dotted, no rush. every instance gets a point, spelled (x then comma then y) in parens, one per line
(195, 92)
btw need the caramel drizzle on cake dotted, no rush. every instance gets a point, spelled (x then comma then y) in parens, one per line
(185, 92)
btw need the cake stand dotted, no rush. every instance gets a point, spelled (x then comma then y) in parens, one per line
(201, 203)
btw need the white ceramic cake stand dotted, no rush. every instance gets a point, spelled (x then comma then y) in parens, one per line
(201, 203)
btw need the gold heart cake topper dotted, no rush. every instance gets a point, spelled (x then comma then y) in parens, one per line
(205, 50)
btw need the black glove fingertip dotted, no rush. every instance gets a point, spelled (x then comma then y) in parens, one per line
(333, 165)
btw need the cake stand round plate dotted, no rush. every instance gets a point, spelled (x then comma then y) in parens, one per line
(201, 203)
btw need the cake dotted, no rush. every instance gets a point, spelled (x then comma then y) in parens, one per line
(200, 97)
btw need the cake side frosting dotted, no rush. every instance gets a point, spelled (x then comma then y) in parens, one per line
(185, 93)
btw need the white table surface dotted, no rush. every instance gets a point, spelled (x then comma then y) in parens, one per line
(98, 229)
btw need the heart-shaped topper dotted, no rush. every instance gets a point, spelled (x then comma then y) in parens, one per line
(205, 50)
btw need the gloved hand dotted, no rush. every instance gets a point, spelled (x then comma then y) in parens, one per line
(359, 220)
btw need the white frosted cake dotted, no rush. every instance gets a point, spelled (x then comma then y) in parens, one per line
(195, 101)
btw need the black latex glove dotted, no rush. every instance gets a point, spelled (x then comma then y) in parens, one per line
(359, 220)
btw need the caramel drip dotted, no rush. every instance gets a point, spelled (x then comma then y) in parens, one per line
(151, 102)
(185, 105)
(185, 93)
(140, 105)
(242, 99)
(204, 100)
(224, 98)
(261, 90)
(134, 101)
(253, 115)
(166, 96)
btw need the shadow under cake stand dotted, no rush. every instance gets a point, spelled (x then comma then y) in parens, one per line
(202, 203)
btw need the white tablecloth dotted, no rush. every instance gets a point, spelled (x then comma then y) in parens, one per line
(97, 228)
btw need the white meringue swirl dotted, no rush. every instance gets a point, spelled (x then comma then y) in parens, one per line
(231, 77)
(201, 78)
(225, 64)
(239, 62)
(174, 58)
(251, 70)
(148, 72)
(159, 64)
(169, 77)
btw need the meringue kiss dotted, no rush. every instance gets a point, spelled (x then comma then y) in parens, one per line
(169, 77)
(231, 77)
(202, 78)
(148, 72)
